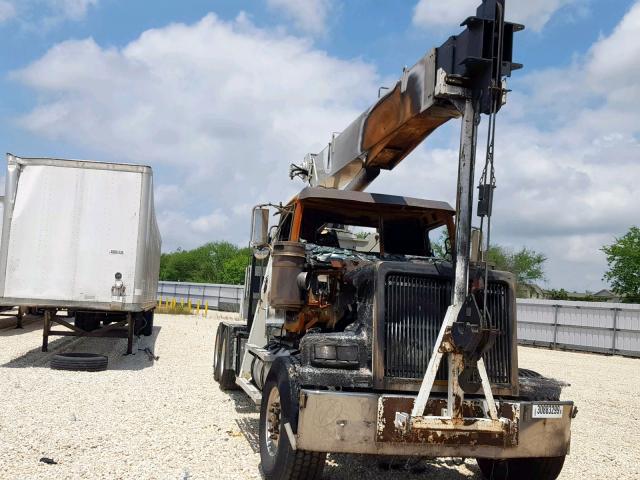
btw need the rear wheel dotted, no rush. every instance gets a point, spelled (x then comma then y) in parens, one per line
(521, 468)
(222, 373)
(217, 352)
(227, 377)
(279, 412)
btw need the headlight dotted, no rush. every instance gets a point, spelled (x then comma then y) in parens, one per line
(336, 356)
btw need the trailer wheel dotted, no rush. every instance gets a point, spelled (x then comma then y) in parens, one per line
(86, 362)
(280, 407)
(521, 468)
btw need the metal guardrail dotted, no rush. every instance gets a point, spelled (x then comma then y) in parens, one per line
(216, 296)
(612, 328)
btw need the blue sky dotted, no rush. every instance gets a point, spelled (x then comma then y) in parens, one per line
(220, 96)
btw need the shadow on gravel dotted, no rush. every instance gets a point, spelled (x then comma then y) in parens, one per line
(242, 403)
(8, 324)
(366, 466)
(114, 348)
(250, 428)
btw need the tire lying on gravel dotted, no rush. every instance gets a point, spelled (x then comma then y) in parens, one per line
(533, 387)
(279, 407)
(85, 362)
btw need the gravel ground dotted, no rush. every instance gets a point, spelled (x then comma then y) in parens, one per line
(167, 419)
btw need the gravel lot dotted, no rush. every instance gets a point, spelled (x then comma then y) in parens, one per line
(167, 419)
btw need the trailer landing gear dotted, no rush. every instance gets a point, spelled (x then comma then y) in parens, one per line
(124, 328)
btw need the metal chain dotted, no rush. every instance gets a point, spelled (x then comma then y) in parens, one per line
(488, 173)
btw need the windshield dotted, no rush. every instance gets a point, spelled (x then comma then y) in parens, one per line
(381, 235)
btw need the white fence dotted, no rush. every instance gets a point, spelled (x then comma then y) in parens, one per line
(612, 328)
(216, 296)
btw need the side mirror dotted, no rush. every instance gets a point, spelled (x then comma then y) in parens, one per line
(259, 231)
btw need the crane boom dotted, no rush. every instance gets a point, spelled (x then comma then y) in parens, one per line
(425, 97)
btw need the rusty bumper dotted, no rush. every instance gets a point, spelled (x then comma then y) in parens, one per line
(364, 423)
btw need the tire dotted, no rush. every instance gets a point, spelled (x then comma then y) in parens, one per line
(147, 330)
(217, 352)
(521, 468)
(533, 387)
(85, 362)
(227, 376)
(279, 406)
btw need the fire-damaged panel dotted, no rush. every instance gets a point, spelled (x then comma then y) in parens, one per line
(465, 434)
(411, 305)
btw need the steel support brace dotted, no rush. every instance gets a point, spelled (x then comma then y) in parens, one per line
(131, 320)
(464, 201)
(464, 210)
(45, 330)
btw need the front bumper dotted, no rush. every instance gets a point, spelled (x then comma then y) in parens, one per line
(342, 422)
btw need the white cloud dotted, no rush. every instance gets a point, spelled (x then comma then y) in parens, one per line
(220, 125)
(7, 11)
(533, 14)
(44, 14)
(567, 159)
(309, 16)
(72, 9)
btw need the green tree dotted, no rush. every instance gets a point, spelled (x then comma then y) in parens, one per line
(215, 262)
(561, 294)
(623, 258)
(440, 246)
(527, 265)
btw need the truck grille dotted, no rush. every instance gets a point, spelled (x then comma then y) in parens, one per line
(415, 307)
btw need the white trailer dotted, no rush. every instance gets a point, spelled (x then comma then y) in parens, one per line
(81, 236)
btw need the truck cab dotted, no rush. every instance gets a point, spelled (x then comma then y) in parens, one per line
(355, 290)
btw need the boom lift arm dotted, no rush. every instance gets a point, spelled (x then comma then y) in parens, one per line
(473, 63)
(464, 77)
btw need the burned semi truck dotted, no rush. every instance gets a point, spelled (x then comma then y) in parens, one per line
(366, 333)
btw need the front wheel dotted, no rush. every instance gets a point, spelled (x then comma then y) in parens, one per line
(278, 409)
(521, 468)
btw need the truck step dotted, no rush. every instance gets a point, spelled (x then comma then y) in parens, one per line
(250, 389)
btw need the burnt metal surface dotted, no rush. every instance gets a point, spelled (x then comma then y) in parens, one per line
(472, 63)
(410, 307)
(460, 432)
(480, 56)
(534, 386)
(358, 332)
(359, 199)
(394, 354)
(347, 422)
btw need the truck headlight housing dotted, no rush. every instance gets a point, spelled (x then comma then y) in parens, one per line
(336, 356)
